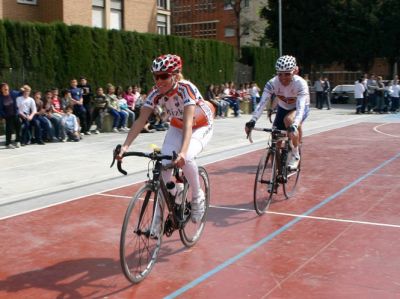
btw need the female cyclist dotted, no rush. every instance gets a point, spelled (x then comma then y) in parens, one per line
(190, 122)
(293, 98)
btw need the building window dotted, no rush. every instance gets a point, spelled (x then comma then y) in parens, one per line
(98, 13)
(183, 30)
(162, 4)
(32, 2)
(206, 30)
(116, 14)
(229, 32)
(162, 24)
(246, 3)
(228, 5)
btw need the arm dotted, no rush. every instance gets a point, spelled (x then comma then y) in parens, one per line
(137, 127)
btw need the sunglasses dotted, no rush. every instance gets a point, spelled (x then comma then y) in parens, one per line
(284, 74)
(162, 76)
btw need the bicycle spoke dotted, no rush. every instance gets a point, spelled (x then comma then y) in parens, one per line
(264, 185)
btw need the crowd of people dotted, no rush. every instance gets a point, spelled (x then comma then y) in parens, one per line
(374, 95)
(33, 117)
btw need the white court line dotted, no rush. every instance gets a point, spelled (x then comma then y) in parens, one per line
(376, 130)
(313, 217)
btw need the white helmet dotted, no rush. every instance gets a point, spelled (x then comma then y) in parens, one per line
(285, 63)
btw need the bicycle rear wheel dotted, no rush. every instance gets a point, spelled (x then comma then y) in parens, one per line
(265, 182)
(291, 177)
(190, 232)
(138, 247)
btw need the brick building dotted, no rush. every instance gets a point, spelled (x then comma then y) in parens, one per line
(132, 15)
(216, 19)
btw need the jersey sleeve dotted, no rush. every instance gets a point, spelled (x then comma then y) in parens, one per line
(265, 98)
(151, 99)
(303, 97)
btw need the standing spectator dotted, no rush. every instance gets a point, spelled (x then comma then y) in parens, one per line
(371, 87)
(254, 94)
(326, 86)
(359, 90)
(27, 110)
(114, 110)
(319, 91)
(307, 79)
(79, 108)
(87, 95)
(100, 105)
(379, 95)
(70, 124)
(9, 111)
(395, 96)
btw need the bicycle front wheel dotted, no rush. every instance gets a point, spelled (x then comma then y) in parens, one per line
(141, 234)
(291, 177)
(265, 182)
(190, 232)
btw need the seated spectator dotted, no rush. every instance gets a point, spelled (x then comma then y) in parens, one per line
(115, 111)
(9, 111)
(100, 105)
(46, 129)
(157, 120)
(66, 99)
(27, 111)
(71, 126)
(254, 94)
(123, 105)
(55, 118)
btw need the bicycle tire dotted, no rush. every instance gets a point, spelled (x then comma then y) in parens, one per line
(138, 249)
(265, 182)
(291, 178)
(191, 232)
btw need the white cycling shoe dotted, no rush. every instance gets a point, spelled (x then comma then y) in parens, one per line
(294, 162)
(198, 207)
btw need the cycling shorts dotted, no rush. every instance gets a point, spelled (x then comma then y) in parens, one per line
(281, 113)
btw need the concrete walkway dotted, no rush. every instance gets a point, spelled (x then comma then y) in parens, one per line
(36, 176)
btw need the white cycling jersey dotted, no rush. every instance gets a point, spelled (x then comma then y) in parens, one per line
(294, 96)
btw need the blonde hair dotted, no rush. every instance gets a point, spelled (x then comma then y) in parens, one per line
(26, 88)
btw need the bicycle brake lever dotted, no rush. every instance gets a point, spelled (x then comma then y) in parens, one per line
(116, 152)
(249, 137)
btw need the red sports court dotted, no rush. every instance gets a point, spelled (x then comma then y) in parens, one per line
(337, 238)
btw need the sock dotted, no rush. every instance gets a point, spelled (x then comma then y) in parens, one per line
(295, 152)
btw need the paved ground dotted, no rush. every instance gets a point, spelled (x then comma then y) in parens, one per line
(37, 176)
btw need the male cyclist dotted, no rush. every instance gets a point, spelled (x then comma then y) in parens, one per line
(191, 125)
(293, 99)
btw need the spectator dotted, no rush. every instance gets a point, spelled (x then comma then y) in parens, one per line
(319, 91)
(359, 90)
(46, 129)
(326, 86)
(87, 95)
(395, 96)
(66, 99)
(100, 105)
(157, 120)
(254, 95)
(123, 105)
(379, 95)
(231, 97)
(371, 87)
(27, 110)
(79, 108)
(70, 124)
(210, 96)
(115, 111)
(54, 117)
(9, 111)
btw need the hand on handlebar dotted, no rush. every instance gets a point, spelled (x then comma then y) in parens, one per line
(180, 160)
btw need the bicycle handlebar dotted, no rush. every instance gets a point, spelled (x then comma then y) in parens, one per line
(274, 131)
(156, 156)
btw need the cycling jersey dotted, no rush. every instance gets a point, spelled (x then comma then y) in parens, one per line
(294, 96)
(185, 94)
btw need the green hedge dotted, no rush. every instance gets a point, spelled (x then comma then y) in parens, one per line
(263, 62)
(48, 55)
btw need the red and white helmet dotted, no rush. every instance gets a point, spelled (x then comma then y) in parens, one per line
(168, 63)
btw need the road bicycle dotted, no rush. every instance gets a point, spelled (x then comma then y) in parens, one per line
(273, 170)
(155, 211)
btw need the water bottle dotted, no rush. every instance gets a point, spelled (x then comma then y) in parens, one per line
(171, 189)
(179, 193)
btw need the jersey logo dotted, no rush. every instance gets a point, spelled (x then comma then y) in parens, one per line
(287, 100)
